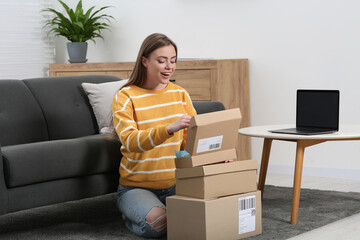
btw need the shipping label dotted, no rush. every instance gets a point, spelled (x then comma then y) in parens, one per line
(209, 144)
(247, 214)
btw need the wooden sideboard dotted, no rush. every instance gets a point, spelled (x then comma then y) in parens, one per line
(225, 80)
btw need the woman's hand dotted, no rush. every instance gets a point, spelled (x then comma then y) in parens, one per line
(181, 123)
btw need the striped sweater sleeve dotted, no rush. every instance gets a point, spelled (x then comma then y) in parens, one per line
(133, 139)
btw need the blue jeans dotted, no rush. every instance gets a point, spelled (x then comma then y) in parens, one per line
(135, 203)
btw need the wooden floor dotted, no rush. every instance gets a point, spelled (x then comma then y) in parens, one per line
(347, 228)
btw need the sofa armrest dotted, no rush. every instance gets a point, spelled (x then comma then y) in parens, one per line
(3, 188)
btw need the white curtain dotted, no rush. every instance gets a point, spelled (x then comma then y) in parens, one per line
(25, 49)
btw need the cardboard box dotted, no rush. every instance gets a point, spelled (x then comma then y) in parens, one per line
(213, 131)
(209, 134)
(231, 217)
(217, 180)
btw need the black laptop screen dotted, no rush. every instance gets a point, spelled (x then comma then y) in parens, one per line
(318, 109)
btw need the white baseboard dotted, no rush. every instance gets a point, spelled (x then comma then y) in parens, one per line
(316, 171)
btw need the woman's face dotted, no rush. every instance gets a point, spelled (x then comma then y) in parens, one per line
(160, 66)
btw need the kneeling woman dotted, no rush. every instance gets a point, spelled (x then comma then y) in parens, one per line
(151, 115)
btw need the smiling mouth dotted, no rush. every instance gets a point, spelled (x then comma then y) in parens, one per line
(166, 74)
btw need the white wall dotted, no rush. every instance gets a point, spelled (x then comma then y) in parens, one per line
(289, 44)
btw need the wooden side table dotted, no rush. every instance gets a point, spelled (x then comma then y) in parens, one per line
(346, 132)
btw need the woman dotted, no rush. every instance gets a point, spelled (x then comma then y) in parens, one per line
(151, 115)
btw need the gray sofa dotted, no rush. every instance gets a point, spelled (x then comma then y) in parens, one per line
(50, 147)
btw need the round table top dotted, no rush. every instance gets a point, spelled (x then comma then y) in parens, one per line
(346, 131)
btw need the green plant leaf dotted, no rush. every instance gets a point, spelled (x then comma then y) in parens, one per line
(78, 27)
(64, 5)
(87, 14)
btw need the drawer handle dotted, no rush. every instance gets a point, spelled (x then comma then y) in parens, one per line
(173, 80)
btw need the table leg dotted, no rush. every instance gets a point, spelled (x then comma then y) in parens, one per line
(264, 164)
(300, 148)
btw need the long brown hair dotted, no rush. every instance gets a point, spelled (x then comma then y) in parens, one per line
(138, 75)
(150, 44)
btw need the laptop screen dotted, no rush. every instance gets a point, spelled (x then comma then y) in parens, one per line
(317, 109)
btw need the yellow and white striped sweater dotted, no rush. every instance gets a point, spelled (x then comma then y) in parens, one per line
(140, 119)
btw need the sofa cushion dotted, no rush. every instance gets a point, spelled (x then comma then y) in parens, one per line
(21, 119)
(64, 190)
(65, 105)
(100, 97)
(61, 159)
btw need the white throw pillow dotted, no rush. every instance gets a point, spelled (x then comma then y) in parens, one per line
(100, 97)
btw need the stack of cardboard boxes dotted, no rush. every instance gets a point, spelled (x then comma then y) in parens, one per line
(214, 199)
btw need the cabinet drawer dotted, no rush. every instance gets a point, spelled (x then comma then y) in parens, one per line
(62, 74)
(196, 82)
(119, 74)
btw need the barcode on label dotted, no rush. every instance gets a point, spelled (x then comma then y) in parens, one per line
(209, 144)
(247, 214)
(247, 203)
(212, 146)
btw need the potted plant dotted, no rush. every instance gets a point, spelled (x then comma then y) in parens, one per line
(78, 27)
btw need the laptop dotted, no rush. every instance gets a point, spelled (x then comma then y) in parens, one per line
(317, 112)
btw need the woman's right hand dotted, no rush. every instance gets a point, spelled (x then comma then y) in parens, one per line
(181, 123)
